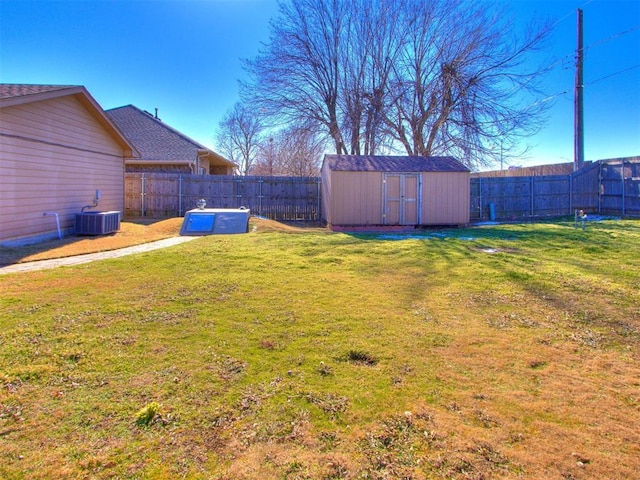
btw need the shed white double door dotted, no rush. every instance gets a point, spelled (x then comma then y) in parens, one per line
(401, 198)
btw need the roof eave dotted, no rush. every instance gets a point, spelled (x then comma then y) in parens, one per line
(39, 96)
(216, 156)
(100, 115)
(140, 161)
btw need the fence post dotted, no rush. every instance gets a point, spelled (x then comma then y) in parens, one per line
(319, 210)
(260, 182)
(623, 192)
(570, 194)
(599, 187)
(480, 197)
(142, 197)
(531, 191)
(180, 195)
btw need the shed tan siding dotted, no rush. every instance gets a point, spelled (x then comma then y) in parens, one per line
(54, 155)
(445, 198)
(356, 198)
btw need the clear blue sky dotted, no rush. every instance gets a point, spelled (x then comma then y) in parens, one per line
(183, 57)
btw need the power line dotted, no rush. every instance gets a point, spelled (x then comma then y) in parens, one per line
(612, 75)
(595, 44)
(612, 37)
(572, 12)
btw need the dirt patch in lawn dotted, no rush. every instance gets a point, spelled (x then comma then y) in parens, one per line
(261, 224)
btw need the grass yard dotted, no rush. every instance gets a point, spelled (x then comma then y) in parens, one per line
(509, 351)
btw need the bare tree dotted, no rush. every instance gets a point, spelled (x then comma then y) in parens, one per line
(459, 87)
(301, 151)
(372, 47)
(268, 160)
(297, 76)
(432, 78)
(239, 136)
(294, 151)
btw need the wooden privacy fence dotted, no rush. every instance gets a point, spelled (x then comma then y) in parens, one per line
(518, 197)
(160, 195)
(609, 187)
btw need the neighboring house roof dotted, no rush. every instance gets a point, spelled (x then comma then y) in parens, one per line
(156, 141)
(20, 94)
(383, 163)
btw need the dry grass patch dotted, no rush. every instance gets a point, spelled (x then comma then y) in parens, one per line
(132, 232)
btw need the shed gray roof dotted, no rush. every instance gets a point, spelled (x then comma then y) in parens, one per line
(384, 163)
(154, 139)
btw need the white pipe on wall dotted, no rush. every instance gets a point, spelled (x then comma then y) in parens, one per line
(55, 214)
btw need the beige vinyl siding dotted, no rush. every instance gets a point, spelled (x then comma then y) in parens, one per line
(54, 155)
(356, 198)
(445, 198)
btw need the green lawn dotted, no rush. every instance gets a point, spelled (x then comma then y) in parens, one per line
(509, 351)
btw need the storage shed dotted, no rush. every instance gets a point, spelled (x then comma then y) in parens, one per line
(59, 152)
(368, 191)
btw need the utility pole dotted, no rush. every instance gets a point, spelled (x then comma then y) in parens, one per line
(578, 120)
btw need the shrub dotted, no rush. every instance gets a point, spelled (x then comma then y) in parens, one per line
(145, 416)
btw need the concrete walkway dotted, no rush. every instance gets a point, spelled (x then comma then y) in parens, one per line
(92, 257)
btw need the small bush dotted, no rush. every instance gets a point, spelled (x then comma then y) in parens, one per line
(145, 416)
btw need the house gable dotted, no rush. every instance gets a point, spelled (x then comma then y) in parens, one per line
(57, 150)
(162, 147)
(16, 94)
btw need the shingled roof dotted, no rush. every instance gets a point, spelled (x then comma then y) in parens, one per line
(389, 163)
(155, 140)
(11, 90)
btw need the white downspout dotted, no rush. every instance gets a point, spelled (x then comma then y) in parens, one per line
(197, 162)
(55, 214)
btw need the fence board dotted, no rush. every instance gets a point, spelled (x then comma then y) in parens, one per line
(607, 186)
(162, 195)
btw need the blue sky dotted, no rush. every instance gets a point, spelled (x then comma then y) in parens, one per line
(184, 58)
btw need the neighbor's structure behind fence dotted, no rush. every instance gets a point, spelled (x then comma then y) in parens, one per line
(610, 187)
(161, 195)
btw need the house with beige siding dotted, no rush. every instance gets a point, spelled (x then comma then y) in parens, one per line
(59, 152)
(394, 191)
(164, 149)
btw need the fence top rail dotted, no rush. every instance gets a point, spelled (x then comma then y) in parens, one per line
(213, 178)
